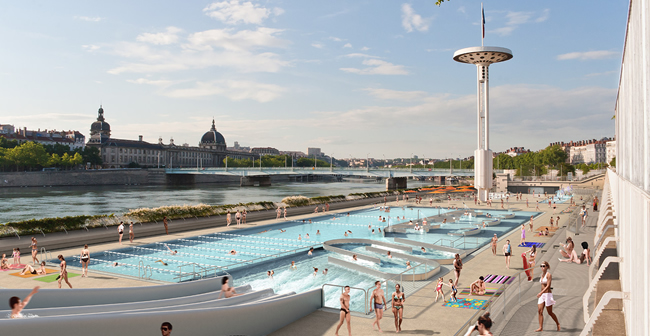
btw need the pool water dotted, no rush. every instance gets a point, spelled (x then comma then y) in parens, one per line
(273, 247)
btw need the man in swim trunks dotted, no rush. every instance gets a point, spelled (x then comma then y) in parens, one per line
(379, 304)
(477, 287)
(345, 311)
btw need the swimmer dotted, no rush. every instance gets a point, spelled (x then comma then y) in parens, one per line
(389, 255)
(373, 231)
(345, 234)
(299, 237)
(384, 220)
(354, 257)
(115, 264)
(170, 250)
(311, 250)
(315, 271)
(263, 231)
(348, 214)
(270, 274)
(349, 231)
(293, 265)
(160, 261)
(307, 236)
(379, 230)
(232, 252)
(325, 271)
(423, 250)
(18, 305)
(410, 222)
(369, 227)
(408, 265)
(284, 230)
(310, 221)
(317, 232)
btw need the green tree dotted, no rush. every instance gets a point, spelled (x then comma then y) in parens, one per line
(77, 159)
(91, 154)
(553, 156)
(307, 162)
(4, 143)
(232, 162)
(29, 155)
(613, 162)
(54, 160)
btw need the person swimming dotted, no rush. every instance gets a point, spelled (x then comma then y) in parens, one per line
(159, 260)
(293, 265)
(315, 271)
(325, 271)
(311, 251)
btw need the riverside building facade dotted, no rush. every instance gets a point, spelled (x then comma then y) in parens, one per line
(123, 153)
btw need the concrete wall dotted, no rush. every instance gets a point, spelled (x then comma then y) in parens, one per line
(74, 178)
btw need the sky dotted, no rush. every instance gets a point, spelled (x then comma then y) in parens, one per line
(355, 78)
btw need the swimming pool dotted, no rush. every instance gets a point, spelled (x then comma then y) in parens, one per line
(273, 247)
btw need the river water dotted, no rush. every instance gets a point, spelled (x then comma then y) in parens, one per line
(28, 203)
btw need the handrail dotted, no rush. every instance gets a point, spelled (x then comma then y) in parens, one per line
(140, 267)
(46, 253)
(592, 284)
(599, 252)
(15, 232)
(608, 296)
(365, 294)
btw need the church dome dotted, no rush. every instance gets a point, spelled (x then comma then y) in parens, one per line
(100, 126)
(212, 137)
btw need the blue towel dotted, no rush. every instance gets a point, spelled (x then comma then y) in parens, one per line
(531, 244)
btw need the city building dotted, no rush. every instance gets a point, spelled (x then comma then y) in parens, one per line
(265, 151)
(294, 154)
(72, 139)
(611, 150)
(516, 151)
(314, 152)
(237, 148)
(586, 151)
(121, 153)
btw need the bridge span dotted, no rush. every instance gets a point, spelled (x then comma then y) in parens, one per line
(364, 172)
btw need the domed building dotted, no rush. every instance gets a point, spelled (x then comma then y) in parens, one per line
(213, 139)
(122, 153)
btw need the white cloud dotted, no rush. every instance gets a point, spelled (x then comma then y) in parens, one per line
(88, 19)
(378, 67)
(236, 11)
(365, 49)
(606, 73)
(411, 20)
(360, 55)
(335, 39)
(234, 90)
(545, 15)
(160, 82)
(243, 40)
(589, 55)
(461, 9)
(90, 47)
(518, 18)
(317, 45)
(387, 94)
(503, 31)
(347, 45)
(170, 36)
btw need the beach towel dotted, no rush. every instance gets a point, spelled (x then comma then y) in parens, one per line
(52, 277)
(498, 279)
(29, 275)
(531, 244)
(467, 303)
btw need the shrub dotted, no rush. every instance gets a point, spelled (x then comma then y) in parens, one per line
(296, 201)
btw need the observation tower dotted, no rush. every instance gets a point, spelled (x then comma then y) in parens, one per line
(482, 57)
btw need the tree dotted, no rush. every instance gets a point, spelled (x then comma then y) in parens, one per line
(54, 160)
(613, 162)
(4, 143)
(91, 154)
(232, 162)
(553, 155)
(307, 162)
(29, 155)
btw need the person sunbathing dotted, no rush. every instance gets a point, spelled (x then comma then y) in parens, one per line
(30, 270)
(477, 287)
(5, 263)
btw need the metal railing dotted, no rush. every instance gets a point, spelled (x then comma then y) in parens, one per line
(455, 242)
(45, 254)
(202, 273)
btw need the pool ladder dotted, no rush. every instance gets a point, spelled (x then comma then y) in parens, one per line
(142, 270)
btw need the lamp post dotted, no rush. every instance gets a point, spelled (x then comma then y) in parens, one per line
(411, 163)
(368, 162)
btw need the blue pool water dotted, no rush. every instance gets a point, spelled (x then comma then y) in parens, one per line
(273, 247)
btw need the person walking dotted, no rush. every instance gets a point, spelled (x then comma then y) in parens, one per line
(131, 233)
(507, 252)
(238, 218)
(530, 224)
(494, 244)
(345, 314)
(85, 259)
(63, 275)
(120, 232)
(228, 218)
(545, 297)
(34, 246)
(379, 304)
(165, 224)
(285, 213)
(458, 266)
(398, 307)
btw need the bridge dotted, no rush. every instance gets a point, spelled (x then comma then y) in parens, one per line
(395, 177)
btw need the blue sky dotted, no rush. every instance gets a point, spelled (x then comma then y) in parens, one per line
(351, 77)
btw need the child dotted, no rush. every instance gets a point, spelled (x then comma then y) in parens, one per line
(17, 256)
(454, 291)
(439, 289)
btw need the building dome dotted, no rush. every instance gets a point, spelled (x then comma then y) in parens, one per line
(100, 126)
(212, 137)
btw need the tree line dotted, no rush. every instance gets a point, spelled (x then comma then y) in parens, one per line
(15, 156)
(274, 161)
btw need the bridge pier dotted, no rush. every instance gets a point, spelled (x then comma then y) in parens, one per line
(394, 183)
(255, 181)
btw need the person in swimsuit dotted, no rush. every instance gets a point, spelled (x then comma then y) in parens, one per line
(586, 253)
(170, 250)
(238, 218)
(4, 264)
(546, 297)
(458, 266)
(477, 287)
(311, 251)
(494, 244)
(379, 304)
(85, 258)
(568, 249)
(344, 315)
(439, 290)
(293, 265)
(29, 269)
(243, 216)
(18, 305)
(64, 272)
(226, 290)
(531, 224)
(315, 271)
(398, 307)
(507, 251)
(523, 235)
(454, 291)
(161, 261)
(532, 254)
(483, 326)
(165, 224)
(270, 273)
(285, 213)
(34, 247)
(228, 218)
(120, 232)
(131, 234)
(17, 256)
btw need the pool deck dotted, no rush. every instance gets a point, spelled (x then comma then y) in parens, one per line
(422, 315)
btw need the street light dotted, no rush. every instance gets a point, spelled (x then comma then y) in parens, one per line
(368, 162)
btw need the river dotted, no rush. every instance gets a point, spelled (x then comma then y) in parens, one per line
(27, 203)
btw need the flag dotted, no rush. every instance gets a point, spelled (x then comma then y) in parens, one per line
(482, 21)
